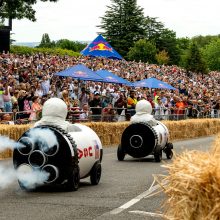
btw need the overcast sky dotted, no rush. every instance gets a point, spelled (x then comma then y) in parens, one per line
(77, 19)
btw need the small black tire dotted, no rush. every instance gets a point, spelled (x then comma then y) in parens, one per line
(158, 157)
(169, 146)
(120, 153)
(169, 154)
(95, 174)
(158, 154)
(73, 180)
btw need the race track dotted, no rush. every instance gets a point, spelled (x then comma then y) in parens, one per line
(122, 192)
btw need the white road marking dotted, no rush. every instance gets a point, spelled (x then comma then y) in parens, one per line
(151, 214)
(135, 200)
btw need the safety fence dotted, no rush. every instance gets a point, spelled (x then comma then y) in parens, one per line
(98, 114)
(22, 117)
(124, 114)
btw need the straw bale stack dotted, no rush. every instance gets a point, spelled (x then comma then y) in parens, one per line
(192, 128)
(216, 147)
(6, 154)
(13, 131)
(110, 133)
(193, 186)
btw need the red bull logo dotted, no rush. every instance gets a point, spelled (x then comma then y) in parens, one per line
(100, 46)
(111, 78)
(80, 73)
(162, 85)
(141, 83)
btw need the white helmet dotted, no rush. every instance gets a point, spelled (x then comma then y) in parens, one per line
(55, 107)
(143, 107)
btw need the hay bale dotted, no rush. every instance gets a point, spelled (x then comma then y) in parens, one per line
(193, 185)
(216, 147)
(110, 133)
(5, 154)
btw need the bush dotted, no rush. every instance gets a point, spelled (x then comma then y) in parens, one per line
(53, 51)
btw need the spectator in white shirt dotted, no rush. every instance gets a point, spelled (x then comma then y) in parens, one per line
(85, 112)
(45, 84)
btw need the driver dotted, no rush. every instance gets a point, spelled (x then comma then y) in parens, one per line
(54, 112)
(143, 113)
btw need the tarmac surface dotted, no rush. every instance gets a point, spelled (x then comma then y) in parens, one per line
(123, 192)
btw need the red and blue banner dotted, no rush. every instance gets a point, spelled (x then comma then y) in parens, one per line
(101, 48)
(80, 72)
(152, 83)
(109, 77)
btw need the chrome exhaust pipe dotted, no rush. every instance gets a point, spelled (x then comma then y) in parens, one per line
(37, 159)
(53, 172)
(29, 178)
(27, 146)
(24, 169)
(49, 151)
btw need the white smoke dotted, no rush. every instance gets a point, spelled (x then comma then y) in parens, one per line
(29, 180)
(7, 143)
(32, 179)
(7, 176)
(47, 137)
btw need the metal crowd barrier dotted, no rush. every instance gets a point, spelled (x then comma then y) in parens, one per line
(101, 114)
(162, 113)
(215, 113)
(98, 114)
(112, 115)
(24, 117)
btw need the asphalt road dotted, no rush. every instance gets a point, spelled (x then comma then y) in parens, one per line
(121, 194)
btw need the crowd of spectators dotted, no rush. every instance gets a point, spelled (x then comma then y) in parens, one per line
(27, 81)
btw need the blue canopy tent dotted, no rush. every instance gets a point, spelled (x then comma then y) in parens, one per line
(109, 77)
(153, 83)
(101, 48)
(80, 72)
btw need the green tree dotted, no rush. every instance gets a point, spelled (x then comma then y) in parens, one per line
(80, 46)
(202, 41)
(143, 50)
(183, 45)
(70, 45)
(194, 60)
(46, 42)
(66, 44)
(164, 38)
(212, 55)
(153, 28)
(162, 57)
(123, 24)
(19, 9)
(167, 41)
